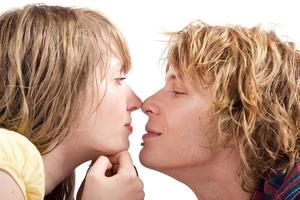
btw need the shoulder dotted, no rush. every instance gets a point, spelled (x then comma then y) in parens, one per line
(9, 188)
(13, 137)
(16, 148)
(290, 188)
(21, 160)
(14, 142)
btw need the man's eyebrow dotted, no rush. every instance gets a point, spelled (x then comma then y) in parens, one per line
(171, 77)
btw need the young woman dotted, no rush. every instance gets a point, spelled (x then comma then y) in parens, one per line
(63, 102)
(227, 121)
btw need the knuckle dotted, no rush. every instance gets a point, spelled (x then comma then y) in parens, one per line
(130, 176)
(104, 159)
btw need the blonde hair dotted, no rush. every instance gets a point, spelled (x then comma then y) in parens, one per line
(256, 82)
(47, 56)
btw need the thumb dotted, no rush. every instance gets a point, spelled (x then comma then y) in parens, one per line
(126, 164)
(100, 166)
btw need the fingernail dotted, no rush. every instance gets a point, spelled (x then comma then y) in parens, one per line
(136, 170)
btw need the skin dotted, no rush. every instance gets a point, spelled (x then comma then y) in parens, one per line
(101, 130)
(179, 133)
(9, 188)
(99, 185)
(103, 126)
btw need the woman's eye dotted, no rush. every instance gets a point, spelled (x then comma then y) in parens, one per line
(120, 79)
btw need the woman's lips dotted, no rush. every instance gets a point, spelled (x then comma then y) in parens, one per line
(129, 127)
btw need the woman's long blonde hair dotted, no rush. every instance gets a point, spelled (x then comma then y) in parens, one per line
(47, 55)
(256, 82)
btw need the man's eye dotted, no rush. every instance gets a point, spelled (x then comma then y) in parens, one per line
(177, 92)
(119, 80)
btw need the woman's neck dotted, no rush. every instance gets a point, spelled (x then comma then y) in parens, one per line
(61, 162)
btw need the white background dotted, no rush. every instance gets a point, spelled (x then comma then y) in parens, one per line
(142, 23)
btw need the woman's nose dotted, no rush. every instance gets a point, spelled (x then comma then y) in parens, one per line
(135, 102)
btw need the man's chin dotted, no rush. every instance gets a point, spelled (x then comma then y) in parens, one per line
(148, 162)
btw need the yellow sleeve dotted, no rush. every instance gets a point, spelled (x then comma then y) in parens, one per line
(23, 162)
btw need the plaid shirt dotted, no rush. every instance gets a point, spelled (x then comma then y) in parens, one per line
(280, 186)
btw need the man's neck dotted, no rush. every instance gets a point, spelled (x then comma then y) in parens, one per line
(213, 181)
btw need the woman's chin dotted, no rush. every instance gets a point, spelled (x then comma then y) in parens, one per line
(117, 148)
(111, 149)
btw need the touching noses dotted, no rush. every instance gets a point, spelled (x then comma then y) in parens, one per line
(135, 102)
(149, 107)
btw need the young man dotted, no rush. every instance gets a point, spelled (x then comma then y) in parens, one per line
(227, 121)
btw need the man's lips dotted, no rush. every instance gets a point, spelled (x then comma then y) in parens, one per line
(150, 133)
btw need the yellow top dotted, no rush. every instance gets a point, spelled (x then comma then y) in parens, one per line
(23, 162)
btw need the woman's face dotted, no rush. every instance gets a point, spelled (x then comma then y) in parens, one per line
(181, 123)
(105, 123)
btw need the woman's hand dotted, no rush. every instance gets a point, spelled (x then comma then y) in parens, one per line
(120, 184)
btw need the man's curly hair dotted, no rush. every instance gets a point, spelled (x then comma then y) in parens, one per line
(255, 77)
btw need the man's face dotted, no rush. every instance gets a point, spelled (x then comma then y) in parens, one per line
(180, 127)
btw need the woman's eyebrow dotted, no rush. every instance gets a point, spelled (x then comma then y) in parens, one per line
(118, 68)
